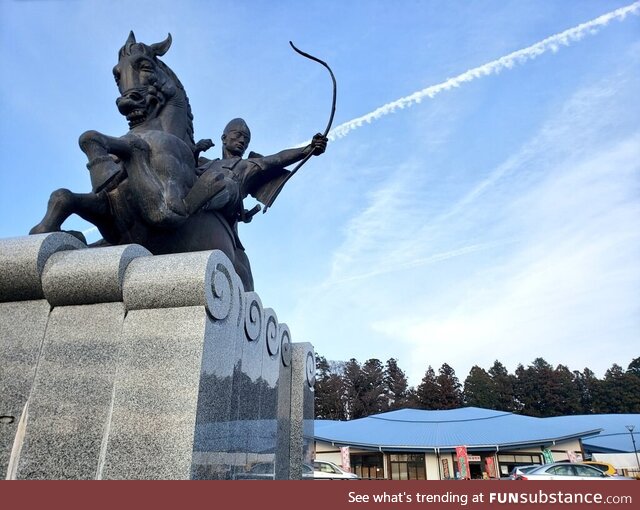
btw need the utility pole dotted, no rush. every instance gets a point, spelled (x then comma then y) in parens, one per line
(630, 428)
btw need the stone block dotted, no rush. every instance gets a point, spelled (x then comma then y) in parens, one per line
(67, 410)
(151, 425)
(303, 376)
(22, 261)
(22, 328)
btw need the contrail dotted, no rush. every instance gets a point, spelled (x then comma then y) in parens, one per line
(552, 43)
(90, 230)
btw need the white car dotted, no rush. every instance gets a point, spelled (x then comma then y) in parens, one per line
(323, 469)
(567, 471)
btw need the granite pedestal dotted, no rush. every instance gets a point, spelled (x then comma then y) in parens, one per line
(116, 364)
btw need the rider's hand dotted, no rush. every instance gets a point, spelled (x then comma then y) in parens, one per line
(319, 144)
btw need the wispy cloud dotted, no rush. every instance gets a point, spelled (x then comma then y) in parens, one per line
(552, 43)
(419, 261)
(561, 212)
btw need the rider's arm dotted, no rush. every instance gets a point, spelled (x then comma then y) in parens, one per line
(289, 156)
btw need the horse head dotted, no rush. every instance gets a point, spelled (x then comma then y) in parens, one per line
(145, 83)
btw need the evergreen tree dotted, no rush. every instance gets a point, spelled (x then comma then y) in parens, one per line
(634, 367)
(533, 387)
(354, 389)
(588, 387)
(412, 398)
(563, 393)
(449, 388)
(504, 385)
(329, 392)
(374, 393)
(396, 386)
(426, 395)
(479, 389)
(620, 392)
(543, 391)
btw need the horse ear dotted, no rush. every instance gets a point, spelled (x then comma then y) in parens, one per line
(131, 39)
(161, 48)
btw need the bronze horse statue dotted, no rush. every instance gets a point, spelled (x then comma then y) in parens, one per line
(140, 180)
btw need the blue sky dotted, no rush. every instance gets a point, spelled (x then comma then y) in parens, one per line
(492, 217)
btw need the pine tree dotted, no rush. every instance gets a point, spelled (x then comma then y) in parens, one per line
(532, 387)
(620, 392)
(329, 392)
(396, 386)
(634, 367)
(563, 394)
(426, 394)
(504, 385)
(354, 388)
(479, 389)
(449, 388)
(587, 384)
(373, 397)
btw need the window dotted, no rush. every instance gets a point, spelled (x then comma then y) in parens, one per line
(325, 467)
(407, 466)
(510, 461)
(561, 470)
(588, 471)
(368, 465)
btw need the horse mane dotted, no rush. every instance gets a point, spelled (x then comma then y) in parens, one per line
(180, 87)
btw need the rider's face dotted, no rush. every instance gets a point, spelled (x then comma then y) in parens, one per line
(236, 142)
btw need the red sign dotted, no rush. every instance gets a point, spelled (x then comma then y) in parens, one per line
(346, 460)
(491, 467)
(463, 462)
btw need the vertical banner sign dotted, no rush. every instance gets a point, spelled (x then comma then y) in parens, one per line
(463, 462)
(491, 467)
(547, 456)
(346, 461)
(572, 456)
(445, 469)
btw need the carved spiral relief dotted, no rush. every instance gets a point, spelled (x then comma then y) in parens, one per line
(285, 345)
(310, 369)
(253, 317)
(222, 292)
(273, 341)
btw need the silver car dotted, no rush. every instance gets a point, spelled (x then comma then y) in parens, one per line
(567, 471)
(323, 469)
(521, 470)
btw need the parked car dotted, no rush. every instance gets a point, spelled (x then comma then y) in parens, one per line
(267, 471)
(605, 467)
(568, 471)
(259, 471)
(328, 470)
(520, 470)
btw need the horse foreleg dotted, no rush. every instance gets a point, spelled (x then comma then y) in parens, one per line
(59, 208)
(63, 203)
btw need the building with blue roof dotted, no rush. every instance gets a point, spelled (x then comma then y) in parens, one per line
(421, 444)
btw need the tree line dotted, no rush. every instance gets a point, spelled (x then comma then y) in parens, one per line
(350, 390)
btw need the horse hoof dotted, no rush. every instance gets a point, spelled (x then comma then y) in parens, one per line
(39, 229)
